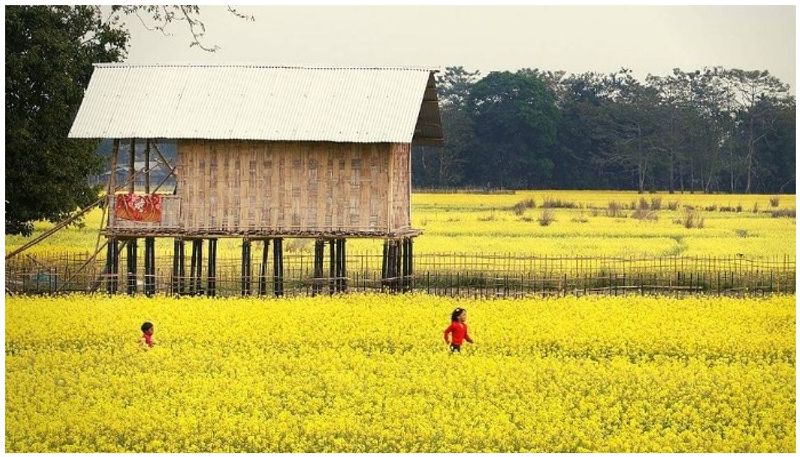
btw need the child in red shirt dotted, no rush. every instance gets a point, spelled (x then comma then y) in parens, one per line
(458, 328)
(147, 335)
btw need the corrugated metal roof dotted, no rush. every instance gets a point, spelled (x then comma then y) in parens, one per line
(252, 102)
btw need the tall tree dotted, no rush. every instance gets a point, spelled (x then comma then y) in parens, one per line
(49, 56)
(515, 125)
(755, 93)
(633, 123)
(582, 145)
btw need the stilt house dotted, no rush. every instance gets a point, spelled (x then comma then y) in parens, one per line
(264, 153)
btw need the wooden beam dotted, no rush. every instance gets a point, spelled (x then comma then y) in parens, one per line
(428, 141)
(132, 167)
(163, 159)
(112, 179)
(147, 167)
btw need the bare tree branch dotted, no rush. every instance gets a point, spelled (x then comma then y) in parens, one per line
(163, 15)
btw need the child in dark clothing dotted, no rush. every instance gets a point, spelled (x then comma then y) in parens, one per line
(458, 328)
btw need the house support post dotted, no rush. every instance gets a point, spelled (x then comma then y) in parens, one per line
(112, 266)
(319, 254)
(131, 263)
(341, 263)
(277, 264)
(332, 266)
(391, 267)
(246, 263)
(178, 267)
(398, 269)
(405, 265)
(196, 267)
(211, 279)
(149, 266)
(385, 264)
(262, 274)
(411, 264)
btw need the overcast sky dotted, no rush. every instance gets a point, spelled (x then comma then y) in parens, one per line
(648, 39)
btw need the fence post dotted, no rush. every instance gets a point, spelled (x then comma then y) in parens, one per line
(427, 282)
(211, 275)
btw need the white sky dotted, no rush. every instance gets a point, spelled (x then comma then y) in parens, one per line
(648, 39)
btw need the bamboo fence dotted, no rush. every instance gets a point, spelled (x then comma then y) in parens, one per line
(456, 274)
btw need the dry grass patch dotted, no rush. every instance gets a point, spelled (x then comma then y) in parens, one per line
(520, 207)
(615, 209)
(785, 212)
(547, 217)
(691, 219)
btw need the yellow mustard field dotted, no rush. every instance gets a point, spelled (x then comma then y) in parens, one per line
(372, 373)
(481, 223)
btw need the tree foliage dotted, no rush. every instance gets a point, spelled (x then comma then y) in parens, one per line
(708, 130)
(49, 56)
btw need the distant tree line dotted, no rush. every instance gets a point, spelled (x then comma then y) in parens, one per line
(709, 130)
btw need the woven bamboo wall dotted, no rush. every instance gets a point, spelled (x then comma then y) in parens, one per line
(400, 169)
(296, 187)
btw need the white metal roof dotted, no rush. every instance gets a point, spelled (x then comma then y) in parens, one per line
(253, 102)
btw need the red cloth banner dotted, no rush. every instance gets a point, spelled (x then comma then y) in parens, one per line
(139, 208)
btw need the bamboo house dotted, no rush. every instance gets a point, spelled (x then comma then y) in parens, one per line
(263, 153)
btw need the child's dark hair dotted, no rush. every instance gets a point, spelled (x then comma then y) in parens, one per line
(146, 326)
(456, 313)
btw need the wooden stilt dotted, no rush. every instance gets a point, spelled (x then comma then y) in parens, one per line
(173, 285)
(343, 262)
(398, 257)
(332, 266)
(246, 263)
(319, 254)
(262, 276)
(385, 265)
(392, 266)
(211, 279)
(339, 265)
(196, 267)
(131, 261)
(112, 266)
(181, 266)
(192, 268)
(404, 266)
(149, 266)
(411, 264)
(277, 258)
(199, 271)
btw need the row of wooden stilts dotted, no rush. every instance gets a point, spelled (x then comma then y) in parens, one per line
(396, 273)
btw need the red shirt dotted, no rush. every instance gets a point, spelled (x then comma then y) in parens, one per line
(148, 339)
(459, 332)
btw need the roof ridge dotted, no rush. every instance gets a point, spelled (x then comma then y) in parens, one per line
(264, 65)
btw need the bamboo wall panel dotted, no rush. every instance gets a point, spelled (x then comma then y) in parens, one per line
(400, 186)
(252, 186)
